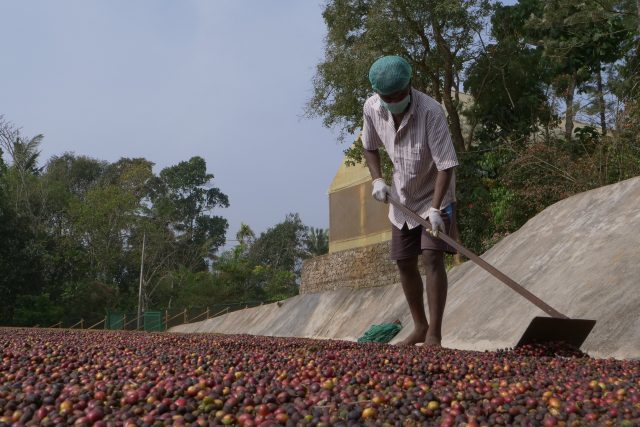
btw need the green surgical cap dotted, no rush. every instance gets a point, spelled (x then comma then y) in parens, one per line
(389, 74)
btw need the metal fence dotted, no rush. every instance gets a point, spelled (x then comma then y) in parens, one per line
(155, 320)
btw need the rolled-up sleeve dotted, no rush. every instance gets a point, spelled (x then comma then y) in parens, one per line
(370, 138)
(439, 139)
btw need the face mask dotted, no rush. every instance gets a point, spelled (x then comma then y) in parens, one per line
(396, 107)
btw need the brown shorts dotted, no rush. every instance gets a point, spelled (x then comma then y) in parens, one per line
(407, 243)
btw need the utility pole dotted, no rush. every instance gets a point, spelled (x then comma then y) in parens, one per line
(144, 237)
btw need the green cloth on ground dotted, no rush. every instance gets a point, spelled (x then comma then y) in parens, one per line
(381, 333)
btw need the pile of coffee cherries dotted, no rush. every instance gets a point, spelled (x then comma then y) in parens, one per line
(56, 377)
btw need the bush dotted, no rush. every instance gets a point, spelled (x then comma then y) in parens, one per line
(32, 310)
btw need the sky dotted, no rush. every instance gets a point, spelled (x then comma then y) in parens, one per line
(226, 80)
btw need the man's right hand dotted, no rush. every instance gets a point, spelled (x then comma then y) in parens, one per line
(380, 190)
(437, 224)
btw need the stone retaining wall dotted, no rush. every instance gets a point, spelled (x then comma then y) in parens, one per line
(364, 267)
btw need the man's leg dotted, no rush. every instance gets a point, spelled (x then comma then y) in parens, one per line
(413, 292)
(436, 294)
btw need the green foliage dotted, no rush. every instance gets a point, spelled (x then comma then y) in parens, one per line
(317, 242)
(32, 310)
(265, 268)
(237, 273)
(477, 175)
(435, 37)
(279, 284)
(197, 289)
(520, 164)
(282, 247)
(103, 219)
(508, 79)
(183, 197)
(73, 230)
(503, 185)
(20, 259)
(90, 300)
(578, 39)
(578, 35)
(355, 154)
(503, 206)
(73, 175)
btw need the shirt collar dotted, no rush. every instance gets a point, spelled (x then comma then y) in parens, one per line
(412, 104)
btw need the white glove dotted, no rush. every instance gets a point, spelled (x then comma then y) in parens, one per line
(380, 190)
(437, 224)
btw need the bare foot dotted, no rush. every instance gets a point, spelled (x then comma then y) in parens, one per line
(432, 341)
(417, 336)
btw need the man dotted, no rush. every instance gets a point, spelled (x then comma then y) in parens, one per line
(413, 129)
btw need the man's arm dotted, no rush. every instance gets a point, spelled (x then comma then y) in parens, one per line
(371, 142)
(380, 190)
(442, 185)
(442, 152)
(373, 162)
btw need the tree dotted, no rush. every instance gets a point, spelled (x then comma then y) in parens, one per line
(579, 37)
(238, 277)
(66, 264)
(21, 247)
(32, 310)
(277, 256)
(262, 268)
(103, 221)
(66, 178)
(317, 242)
(509, 79)
(626, 75)
(71, 234)
(188, 288)
(20, 260)
(100, 208)
(75, 175)
(436, 37)
(134, 176)
(22, 173)
(281, 246)
(245, 235)
(183, 197)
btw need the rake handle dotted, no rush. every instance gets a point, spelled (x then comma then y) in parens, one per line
(482, 263)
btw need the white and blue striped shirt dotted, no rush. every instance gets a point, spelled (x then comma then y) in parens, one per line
(420, 148)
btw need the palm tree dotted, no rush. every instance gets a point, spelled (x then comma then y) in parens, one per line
(317, 241)
(24, 155)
